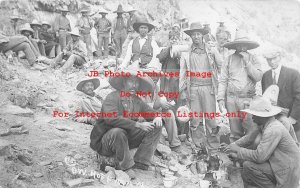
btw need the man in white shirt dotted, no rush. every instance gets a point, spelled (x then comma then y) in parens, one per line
(143, 49)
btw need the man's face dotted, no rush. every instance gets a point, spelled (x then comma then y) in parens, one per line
(174, 40)
(88, 88)
(26, 33)
(258, 120)
(84, 13)
(222, 39)
(119, 14)
(131, 85)
(64, 13)
(45, 27)
(197, 37)
(241, 48)
(274, 62)
(35, 27)
(176, 29)
(143, 30)
(75, 38)
(103, 15)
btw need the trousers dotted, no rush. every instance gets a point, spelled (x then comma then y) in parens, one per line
(117, 142)
(119, 39)
(103, 39)
(63, 38)
(171, 128)
(71, 60)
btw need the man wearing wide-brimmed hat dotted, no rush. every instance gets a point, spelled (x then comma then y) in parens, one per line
(90, 102)
(288, 81)
(75, 53)
(27, 31)
(115, 135)
(199, 91)
(119, 30)
(15, 21)
(103, 27)
(36, 26)
(143, 49)
(239, 75)
(52, 48)
(62, 26)
(276, 160)
(85, 24)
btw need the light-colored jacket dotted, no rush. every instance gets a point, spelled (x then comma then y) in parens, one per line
(215, 61)
(279, 149)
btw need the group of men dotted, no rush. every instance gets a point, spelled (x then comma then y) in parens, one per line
(266, 139)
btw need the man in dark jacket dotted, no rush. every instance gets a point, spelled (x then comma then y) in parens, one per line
(119, 132)
(288, 81)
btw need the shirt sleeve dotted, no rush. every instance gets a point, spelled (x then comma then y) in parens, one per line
(128, 55)
(223, 81)
(154, 63)
(254, 68)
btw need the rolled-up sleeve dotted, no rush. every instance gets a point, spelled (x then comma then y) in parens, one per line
(223, 81)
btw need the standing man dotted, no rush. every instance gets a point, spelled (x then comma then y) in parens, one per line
(116, 135)
(288, 81)
(62, 27)
(131, 34)
(14, 29)
(143, 49)
(103, 27)
(51, 47)
(276, 160)
(239, 76)
(85, 25)
(223, 29)
(199, 92)
(36, 26)
(119, 30)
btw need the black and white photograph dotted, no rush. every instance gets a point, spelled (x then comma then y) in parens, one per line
(150, 93)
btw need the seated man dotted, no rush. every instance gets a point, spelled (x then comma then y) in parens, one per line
(119, 132)
(27, 31)
(21, 43)
(276, 160)
(75, 53)
(90, 102)
(52, 48)
(36, 26)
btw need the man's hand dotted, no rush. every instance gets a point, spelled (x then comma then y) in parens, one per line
(232, 156)
(246, 57)
(232, 148)
(158, 122)
(221, 105)
(165, 104)
(43, 41)
(145, 126)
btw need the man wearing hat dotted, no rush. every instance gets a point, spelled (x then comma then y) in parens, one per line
(131, 34)
(208, 36)
(276, 160)
(119, 30)
(14, 27)
(288, 81)
(51, 47)
(223, 29)
(143, 49)
(85, 24)
(239, 75)
(36, 26)
(116, 135)
(90, 102)
(199, 92)
(75, 53)
(103, 27)
(62, 27)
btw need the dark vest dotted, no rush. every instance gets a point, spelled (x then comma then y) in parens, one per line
(145, 54)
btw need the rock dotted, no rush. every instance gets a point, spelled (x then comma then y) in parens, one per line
(4, 146)
(108, 177)
(80, 182)
(53, 97)
(24, 176)
(78, 157)
(38, 175)
(16, 110)
(45, 163)
(122, 178)
(17, 124)
(25, 158)
(163, 149)
(5, 132)
(64, 128)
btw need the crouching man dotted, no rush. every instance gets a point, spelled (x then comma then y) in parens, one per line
(276, 160)
(116, 135)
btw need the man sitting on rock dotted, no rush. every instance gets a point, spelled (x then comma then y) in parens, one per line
(75, 53)
(90, 103)
(276, 160)
(115, 135)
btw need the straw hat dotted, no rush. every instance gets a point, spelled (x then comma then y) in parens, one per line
(262, 107)
(64, 9)
(102, 11)
(26, 27)
(142, 21)
(146, 84)
(241, 38)
(84, 9)
(15, 17)
(131, 9)
(196, 26)
(120, 9)
(95, 81)
(75, 32)
(35, 22)
(46, 23)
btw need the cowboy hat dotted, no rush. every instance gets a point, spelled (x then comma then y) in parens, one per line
(196, 26)
(75, 32)
(46, 23)
(16, 17)
(84, 9)
(102, 11)
(131, 9)
(95, 81)
(26, 27)
(142, 21)
(64, 9)
(35, 22)
(262, 107)
(119, 10)
(146, 83)
(241, 38)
